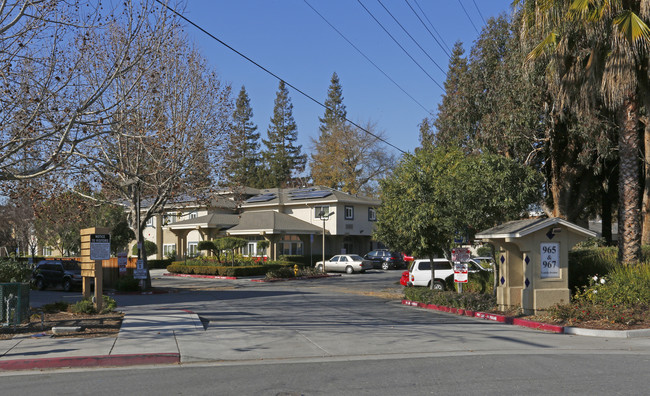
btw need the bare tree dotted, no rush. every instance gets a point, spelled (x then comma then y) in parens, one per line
(51, 99)
(167, 134)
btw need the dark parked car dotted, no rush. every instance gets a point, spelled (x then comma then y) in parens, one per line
(66, 273)
(385, 259)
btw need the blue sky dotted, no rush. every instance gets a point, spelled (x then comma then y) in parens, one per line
(291, 40)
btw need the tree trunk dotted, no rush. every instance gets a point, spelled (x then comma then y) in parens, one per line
(629, 219)
(645, 208)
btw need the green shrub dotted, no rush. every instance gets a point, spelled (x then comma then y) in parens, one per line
(283, 272)
(479, 282)
(12, 271)
(86, 306)
(484, 251)
(622, 296)
(127, 284)
(150, 248)
(55, 307)
(469, 301)
(586, 263)
(158, 264)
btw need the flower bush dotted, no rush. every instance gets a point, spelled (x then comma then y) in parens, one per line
(623, 296)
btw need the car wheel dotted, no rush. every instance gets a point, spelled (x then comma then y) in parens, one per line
(40, 284)
(67, 285)
(438, 286)
(349, 269)
(385, 266)
(319, 268)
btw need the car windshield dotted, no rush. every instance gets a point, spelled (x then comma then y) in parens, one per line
(355, 257)
(71, 265)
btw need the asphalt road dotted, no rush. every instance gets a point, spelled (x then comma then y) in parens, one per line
(327, 337)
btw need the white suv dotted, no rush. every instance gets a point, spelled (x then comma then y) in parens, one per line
(420, 273)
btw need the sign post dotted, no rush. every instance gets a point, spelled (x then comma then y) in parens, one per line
(95, 247)
(122, 260)
(460, 257)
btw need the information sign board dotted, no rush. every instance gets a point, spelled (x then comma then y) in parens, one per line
(122, 260)
(461, 255)
(460, 272)
(100, 246)
(140, 272)
(550, 259)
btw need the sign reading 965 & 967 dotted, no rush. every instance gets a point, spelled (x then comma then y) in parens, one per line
(550, 259)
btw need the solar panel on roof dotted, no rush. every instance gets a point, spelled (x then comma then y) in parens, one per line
(310, 194)
(261, 198)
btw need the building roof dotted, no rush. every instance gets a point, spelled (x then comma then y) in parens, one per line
(520, 228)
(213, 220)
(271, 222)
(274, 197)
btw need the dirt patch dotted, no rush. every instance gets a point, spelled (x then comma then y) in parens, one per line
(92, 325)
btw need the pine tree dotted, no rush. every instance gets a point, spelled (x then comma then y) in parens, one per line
(324, 151)
(243, 158)
(335, 112)
(282, 156)
(453, 123)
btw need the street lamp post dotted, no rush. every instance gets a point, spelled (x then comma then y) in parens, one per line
(324, 217)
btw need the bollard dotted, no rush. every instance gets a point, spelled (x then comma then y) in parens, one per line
(295, 270)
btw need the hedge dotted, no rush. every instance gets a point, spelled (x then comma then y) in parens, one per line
(158, 264)
(221, 270)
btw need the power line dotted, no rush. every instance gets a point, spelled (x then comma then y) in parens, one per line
(470, 19)
(368, 59)
(479, 12)
(433, 27)
(408, 34)
(399, 45)
(273, 74)
(427, 28)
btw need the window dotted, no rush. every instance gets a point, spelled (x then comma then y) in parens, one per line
(192, 215)
(349, 212)
(372, 214)
(150, 222)
(291, 245)
(169, 249)
(47, 251)
(321, 209)
(192, 249)
(169, 218)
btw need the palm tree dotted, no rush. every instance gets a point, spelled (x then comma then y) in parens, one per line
(606, 44)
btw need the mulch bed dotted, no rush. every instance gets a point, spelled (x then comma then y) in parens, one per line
(92, 325)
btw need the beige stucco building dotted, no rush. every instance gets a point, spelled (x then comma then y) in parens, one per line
(289, 219)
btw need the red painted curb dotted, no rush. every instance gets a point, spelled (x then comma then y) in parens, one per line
(295, 278)
(537, 325)
(91, 361)
(201, 276)
(489, 316)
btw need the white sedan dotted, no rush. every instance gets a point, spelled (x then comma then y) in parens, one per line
(345, 262)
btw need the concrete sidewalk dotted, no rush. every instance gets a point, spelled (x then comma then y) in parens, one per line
(146, 337)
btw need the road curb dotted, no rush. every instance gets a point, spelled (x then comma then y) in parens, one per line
(296, 278)
(91, 361)
(201, 276)
(534, 325)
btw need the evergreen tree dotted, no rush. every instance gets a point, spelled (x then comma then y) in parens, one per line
(426, 134)
(324, 151)
(282, 156)
(243, 158)
(335, 112)
(453, 123)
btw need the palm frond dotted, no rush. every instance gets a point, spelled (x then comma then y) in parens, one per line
(632, 28)
(550, 41)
